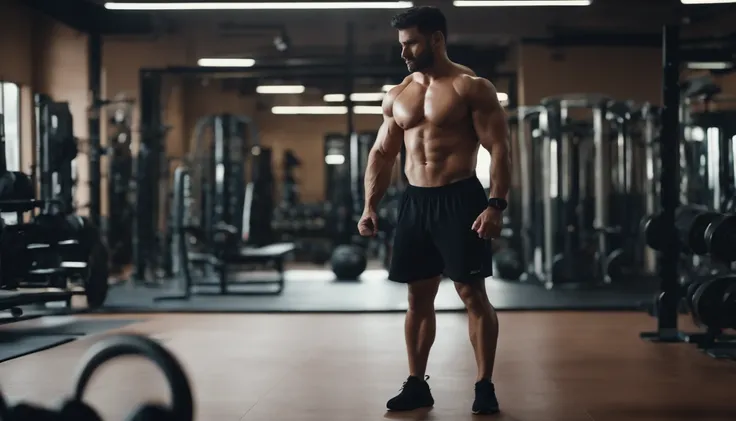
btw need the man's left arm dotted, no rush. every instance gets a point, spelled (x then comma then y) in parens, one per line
(492, 128)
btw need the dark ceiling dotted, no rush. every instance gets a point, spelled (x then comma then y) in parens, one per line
(474, 33)
(467, 25)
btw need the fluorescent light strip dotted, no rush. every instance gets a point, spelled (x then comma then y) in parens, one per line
(387, 88)
(325, 110)
(715, 65)
(334, 159)
(287, 5)
(357, 97)
(707, 1)
(516, 3)
(280, 89)
(368, 109)
(226, 62)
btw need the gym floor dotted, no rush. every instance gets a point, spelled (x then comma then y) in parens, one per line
(565, 366)
(310, 288)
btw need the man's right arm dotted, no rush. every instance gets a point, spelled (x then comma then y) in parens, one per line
(383, 155)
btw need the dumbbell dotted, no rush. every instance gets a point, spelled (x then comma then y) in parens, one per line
(691, 223)
(700, 231)
(713, 303)
(729, 307)
(720, 237)
(651, 228)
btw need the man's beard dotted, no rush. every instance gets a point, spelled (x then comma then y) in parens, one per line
(421, 62)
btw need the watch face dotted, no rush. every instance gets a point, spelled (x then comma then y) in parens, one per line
(499, 204)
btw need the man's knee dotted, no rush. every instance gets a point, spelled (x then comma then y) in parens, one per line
(473, 295)
(422, 294)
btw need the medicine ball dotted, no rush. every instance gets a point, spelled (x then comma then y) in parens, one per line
(348, 262)
(508, 264)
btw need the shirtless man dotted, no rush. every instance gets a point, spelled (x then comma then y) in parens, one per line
(442, 112)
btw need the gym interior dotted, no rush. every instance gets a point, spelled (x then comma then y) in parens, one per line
(182, 182)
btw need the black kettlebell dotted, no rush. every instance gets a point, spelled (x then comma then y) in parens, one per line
(182, 406)
(75, 409)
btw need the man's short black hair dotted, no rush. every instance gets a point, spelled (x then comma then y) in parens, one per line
(426, 19)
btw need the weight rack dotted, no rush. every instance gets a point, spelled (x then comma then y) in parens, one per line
(671, 293)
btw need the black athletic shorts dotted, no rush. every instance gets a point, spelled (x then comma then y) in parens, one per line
(434, 234)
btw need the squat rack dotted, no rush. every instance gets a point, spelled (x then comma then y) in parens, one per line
(673, 56)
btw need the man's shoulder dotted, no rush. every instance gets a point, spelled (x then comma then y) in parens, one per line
(466, 83)
(390, 97)
(393, 92)
(465, 70)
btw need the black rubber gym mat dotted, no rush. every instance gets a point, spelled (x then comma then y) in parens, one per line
(314, 291)
(15, 346)
(64, 325)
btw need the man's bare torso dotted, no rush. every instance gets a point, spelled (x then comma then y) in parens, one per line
(441, 143)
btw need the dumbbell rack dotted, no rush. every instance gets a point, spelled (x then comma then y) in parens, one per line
(682, 228)
(714, 343)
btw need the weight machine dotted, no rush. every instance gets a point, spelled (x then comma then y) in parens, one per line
(120, 164)
(290, 188)
(579, 190)
(231, 226)
(56, 148)
(55, 247)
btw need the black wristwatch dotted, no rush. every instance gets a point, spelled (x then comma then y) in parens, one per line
(498, 203)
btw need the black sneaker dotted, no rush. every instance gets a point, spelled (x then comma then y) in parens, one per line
(485, 398)
(414, 394)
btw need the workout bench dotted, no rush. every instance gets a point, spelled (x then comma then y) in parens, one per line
(272, 255)
(224, 249)
(13, 300)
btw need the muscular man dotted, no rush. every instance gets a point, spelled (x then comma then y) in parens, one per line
(442, 112)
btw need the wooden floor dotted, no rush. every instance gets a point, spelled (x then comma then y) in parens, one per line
(550, 366)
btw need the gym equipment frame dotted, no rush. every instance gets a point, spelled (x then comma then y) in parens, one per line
(670, 295)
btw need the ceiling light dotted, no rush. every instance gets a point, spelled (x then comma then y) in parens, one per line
(280, 89)
(286, 5)
(386, 88)
(707, 1)
(516, 3)
(334, 159)
(368, 109)
(357, 97)
(312, 110)
(226, 62)
(714, 65)
(502, 97)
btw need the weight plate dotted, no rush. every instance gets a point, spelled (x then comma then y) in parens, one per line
(97, 274)
(696, 233)
(616, 265)
(689, 292)
(708, 302)
(720, 237)
(729, 307)
(93, 251)
(651, 226)
(577, 268)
